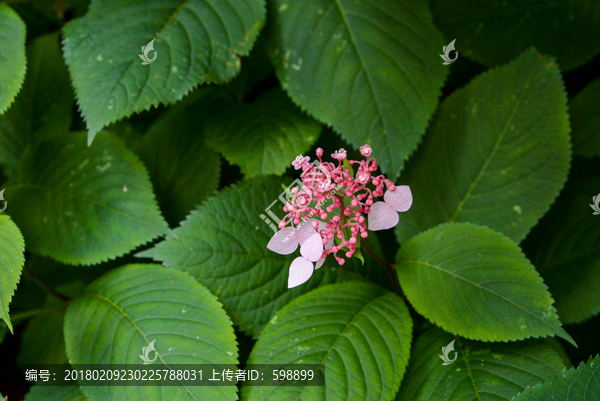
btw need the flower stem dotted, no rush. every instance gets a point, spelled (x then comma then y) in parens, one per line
(389, 267)
(46, 288)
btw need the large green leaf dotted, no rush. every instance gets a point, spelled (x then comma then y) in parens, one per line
(83, 205)
(475, 282)
(12, 55)
(53, 393)
(494, 32)
(12, 258)
(224, 245)
(183, 170)
(497, 153)
(130, 307)
(359, 332)
(482, 371)
(565, 248)
(581, 384)
(263, 137)
(43, 107)
(369, 69)
(197, 41)
(585, 120)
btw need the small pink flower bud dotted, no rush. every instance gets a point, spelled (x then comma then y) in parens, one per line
(319, 152)
(352, 240)
(364, 234)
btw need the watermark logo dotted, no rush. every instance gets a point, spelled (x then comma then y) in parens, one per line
(5, 203)
(595, 206)
(147, 49)
(446, 352)
(446, 55)
(146, 353)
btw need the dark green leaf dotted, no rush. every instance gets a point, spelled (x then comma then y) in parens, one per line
(263, 137)
(51, 393)
(12, 55)
(44, 105)
(183, 170)
(83, 205)
(585, 121)
(495, 32)
(369, 69)
(565, 249)
(224, 245)
(359, 332)
(482, 371)
(497, 153)
(475, 282)
(581, 384)
(114, 319)
(196, 42)
(12, 258)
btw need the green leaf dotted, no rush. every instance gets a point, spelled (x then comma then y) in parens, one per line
(497, 153)
(114, 319)
(369, 69)
(12, 55)
(44, 105)
(565, 248)
(476, 283)
(183, 170)
(263, 137)
(83, 205)
(224, 245)
(584, 109)
(12, 258)
(493, 33)
(359, 332)
(196, 42)
(581, 384)
(53, 393)
(43, 338)
(482, 371)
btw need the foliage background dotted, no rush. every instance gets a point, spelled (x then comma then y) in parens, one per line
(188, 151)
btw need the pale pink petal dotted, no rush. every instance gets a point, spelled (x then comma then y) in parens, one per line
(300, 271)
(284, 241)
(319, 263)
(382, 217)
(305, 230)
(400, 198)
(312, 249)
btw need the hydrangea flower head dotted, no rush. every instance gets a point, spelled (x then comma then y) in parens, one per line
(331, 209)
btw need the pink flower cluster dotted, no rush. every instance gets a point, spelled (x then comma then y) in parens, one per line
(330, 193)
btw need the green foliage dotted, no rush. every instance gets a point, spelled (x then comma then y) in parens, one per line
(109, 79)
(369, 69)
(581, 384)
(358, 331)
(460, 266)
(482, 371)
(97, 202)
(51, 393)
(223, 245)
(497, 153)
(11, 264)
(565, 248)
(44, 105)
(585, 120)
(200, 113)
(167, 306)
(12, 55)
(183, 170)
(495, 32)
(271, 130)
